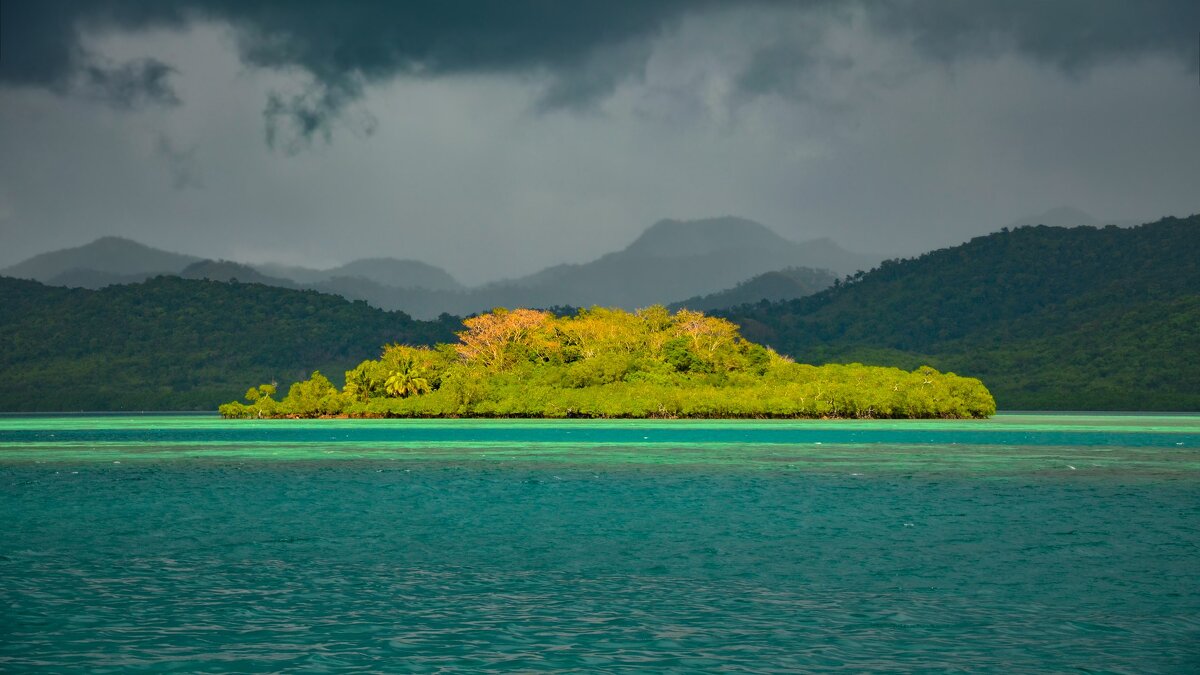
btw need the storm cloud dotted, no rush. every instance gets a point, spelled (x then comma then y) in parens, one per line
(497, 137)
(344, 46)
(585, 47)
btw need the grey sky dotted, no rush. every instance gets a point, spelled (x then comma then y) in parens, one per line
(495, 142)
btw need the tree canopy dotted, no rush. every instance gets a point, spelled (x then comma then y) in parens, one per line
(612, 363)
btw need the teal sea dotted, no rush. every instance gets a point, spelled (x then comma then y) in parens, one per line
(1023, 543)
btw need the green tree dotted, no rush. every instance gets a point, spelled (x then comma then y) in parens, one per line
(314, 396)
(407, 380)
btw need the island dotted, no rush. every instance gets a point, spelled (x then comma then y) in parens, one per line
(610, 363)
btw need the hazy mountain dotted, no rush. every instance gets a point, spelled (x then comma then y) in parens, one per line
(419, 302)
(670, 261)
(684, 238)
(111, 257)
(388, 272)
(296, 273)
(709, 236)
(785, 284)
(1083, 318)
(398, 273)
(86, 278)
(227, 270)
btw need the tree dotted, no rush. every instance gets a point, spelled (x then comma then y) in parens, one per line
(262, 391)
(366, 380)
(407, 380)
(316, 395)
(705, 332)
(490, 338)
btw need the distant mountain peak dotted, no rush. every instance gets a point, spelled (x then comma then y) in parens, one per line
(115, 239)
(398, 273)
(109, 255)
(228, 270)
(381, 272)
(678, 238)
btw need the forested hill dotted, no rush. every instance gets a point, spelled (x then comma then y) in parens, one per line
(179, 344)
(1048, 317)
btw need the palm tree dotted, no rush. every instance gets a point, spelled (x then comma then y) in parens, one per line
(359, 384)
(407, 380)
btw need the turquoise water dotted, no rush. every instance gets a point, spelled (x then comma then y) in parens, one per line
(1026, 542)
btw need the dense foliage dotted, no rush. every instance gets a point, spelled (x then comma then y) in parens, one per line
(1051, 318)
(178, 344)
(612, 363)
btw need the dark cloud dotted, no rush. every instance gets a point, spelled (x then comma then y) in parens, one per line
(293, 120)
(40, 46)
(131, 84)
(347, 46)
(38, 43)
(889, 126)
(783, 68)
(1071, 34)
(595, 77)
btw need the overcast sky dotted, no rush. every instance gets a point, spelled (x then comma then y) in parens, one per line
(494, 138)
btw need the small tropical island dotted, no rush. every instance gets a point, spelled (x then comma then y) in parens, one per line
(609, 363)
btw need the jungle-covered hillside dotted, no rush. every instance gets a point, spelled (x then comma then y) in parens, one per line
(1050, 318)
(179, 344)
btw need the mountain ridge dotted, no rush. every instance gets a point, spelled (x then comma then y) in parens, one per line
(671, 260)
(671, 238)
(386, 271)
(107, 255)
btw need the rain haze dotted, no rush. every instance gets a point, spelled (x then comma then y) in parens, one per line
(493, 139)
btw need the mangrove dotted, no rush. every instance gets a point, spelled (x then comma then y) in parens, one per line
(609, 363)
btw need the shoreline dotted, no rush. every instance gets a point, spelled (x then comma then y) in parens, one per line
(764, 417)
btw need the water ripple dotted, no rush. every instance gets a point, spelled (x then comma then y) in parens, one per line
(344, 566)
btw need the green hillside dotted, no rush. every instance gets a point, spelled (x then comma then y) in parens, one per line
(179, 344)
(1049, 318)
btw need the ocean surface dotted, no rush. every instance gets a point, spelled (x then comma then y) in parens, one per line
(192, 544)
